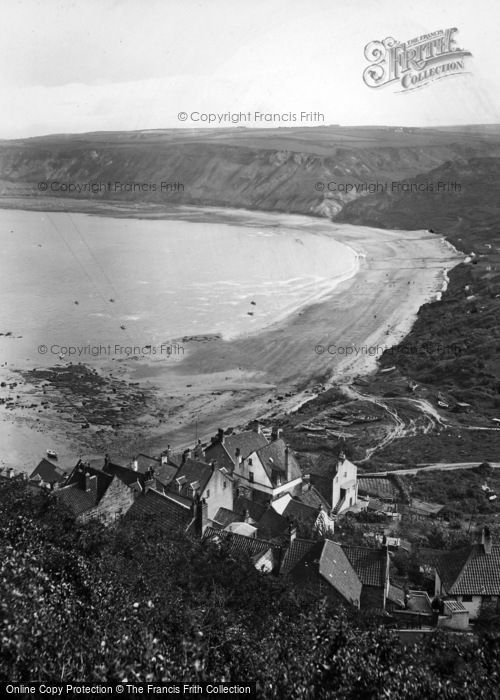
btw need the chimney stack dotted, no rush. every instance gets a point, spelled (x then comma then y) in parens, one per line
(135, 464)
(247, 516)
(275, 433)
(486, 539)
(292, 531)
(237, 454)
(220, 436)
(256, 427)
(198, 451)
(88, 481)
(287, 464)
(201, 516)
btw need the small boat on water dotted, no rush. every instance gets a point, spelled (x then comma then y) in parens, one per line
(123, 326)
(387, 370)
(52, 454)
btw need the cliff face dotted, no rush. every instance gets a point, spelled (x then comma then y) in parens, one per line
(264, 173)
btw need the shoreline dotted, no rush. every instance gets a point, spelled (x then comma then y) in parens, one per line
(229, 382)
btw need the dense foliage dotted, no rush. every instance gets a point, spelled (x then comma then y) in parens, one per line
(84, 603)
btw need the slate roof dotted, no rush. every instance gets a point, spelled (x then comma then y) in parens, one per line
(301, 513)
(48, 472)
(419, 602)
(158, 509)
(272, 524)
(312, 497)
(221, 456)
(193, 470)
(337, 569)
(470, 571)
(273, 459)
(165, 473)
(224, 517)
(370, 564)
(396, 595)
(145, 462)
(248, 441)
(295, 553)
(255, 510)
(128, 475)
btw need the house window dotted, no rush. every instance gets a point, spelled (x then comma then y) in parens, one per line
(486, 598)
(224, 484)
(345, 475)
(208, 493)
(467, 599)
(250, 476)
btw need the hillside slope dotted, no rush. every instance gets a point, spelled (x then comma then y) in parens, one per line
(277, 171)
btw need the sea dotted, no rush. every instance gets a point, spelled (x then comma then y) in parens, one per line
(71, 280)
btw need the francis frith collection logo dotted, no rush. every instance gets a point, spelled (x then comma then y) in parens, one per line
(414, 63)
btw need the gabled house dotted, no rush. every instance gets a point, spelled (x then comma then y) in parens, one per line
(196, 479)
(309, 520)
(92, 493)
(471, 575)
(159, 509)
(345, 485)
(47, 475)
(229, 450)
(269, 471)
(357, 576)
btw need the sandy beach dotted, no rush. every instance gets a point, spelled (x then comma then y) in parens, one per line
(229, 382)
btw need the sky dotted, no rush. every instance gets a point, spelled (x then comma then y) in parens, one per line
(71, 66)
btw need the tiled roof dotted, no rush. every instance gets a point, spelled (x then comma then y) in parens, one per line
(224, 517)
(75, 499)
(337, 569)
(295, 553)
(454, 606)
(370, 564)
(379, 486)
(156, 508)
(237, 543)
(48, 472)
(470, 571)
(273, 458)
